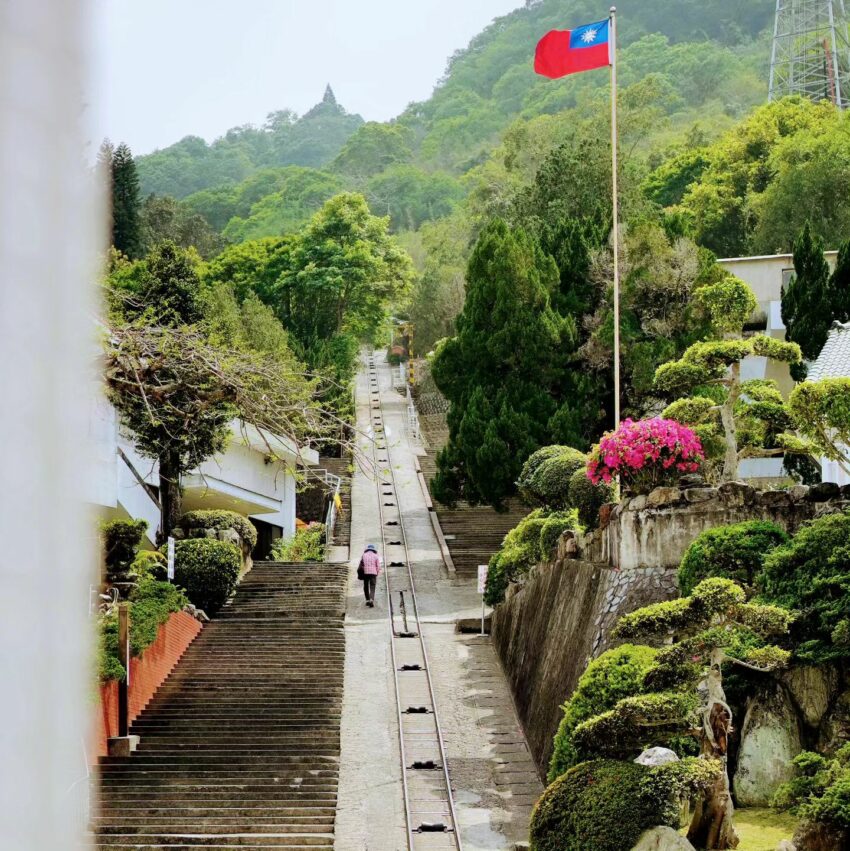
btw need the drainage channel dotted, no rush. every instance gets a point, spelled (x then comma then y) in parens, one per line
(428, 802)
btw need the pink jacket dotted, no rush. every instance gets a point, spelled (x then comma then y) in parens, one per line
(371, 563)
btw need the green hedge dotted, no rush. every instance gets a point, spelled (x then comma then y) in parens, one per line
(587, 498)
(545, 476)
(208, 570)
(734, 552)
(151, 604)
(220, 520)
(811, 574)
(616, 674)
(307, 545)
(604, 805)
(121, 541)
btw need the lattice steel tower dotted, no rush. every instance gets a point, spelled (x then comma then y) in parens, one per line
(811, 51)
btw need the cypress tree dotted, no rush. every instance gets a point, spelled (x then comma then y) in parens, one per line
(126, 204)
(839, 285)
(501, 370)
(807, 309)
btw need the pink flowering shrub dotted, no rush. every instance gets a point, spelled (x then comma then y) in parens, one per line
(645, 454)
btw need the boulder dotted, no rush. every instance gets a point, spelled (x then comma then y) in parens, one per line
(663, 496)
(814, 836)
(823, 492)
(637, 503)
(798, 493)
(786, 845)
(662, 839)
(775, 499)
(835, 730)
(691, 480)
(737, 493)
(230, 536)
(770, 739)
(811, 688)
(657, 756)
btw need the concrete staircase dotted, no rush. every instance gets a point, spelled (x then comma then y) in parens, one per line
(473, 533)
(240, 746)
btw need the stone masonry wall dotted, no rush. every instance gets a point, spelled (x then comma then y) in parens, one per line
(561, 616)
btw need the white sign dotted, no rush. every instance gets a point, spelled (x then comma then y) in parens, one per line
(170, 559)
(482, 577)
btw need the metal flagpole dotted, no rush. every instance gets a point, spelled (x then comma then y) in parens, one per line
(616, 211)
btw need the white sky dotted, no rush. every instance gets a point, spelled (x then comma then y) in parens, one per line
(170, 68)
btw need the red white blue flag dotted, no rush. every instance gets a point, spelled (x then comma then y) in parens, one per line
(562, 52)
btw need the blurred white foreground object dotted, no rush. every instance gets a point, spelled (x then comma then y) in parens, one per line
(48, 242)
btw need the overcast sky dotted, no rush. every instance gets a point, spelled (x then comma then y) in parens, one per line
(170, 68)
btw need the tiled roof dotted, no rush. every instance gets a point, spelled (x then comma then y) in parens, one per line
(834, 359)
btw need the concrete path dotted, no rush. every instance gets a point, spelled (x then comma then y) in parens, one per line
(492, 773)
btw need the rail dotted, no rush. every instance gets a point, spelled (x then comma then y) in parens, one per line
(421, 744)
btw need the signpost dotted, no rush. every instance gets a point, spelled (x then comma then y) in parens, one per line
(171, 559)
(482, 586)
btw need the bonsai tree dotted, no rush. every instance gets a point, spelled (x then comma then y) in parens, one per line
(751, 414)
(683, 691)
(821, 412)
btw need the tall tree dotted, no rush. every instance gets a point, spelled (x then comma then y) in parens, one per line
(839, 285)
(126, 203)
(807, 309)
(500, 371)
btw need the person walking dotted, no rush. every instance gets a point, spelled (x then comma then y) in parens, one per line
(369, 570)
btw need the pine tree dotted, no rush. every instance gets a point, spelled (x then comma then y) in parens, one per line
(807, 309)
(839, 285)
(501, 371)
(126, 204)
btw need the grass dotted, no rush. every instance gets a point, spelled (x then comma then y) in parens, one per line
(763, 829)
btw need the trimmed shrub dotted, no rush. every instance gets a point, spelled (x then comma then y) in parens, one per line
(520, 551)
(605, 805)
(587, 498)
(811, 574)
(545, 477)
(734, 552)
(308, 544)
(194, 521)
(151, 604)
(121, 541)
(615, 675)
(208, 570)
(553, 527)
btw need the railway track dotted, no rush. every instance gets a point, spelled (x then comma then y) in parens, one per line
(430, 813)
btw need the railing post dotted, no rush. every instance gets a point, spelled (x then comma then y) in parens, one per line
(124, 657)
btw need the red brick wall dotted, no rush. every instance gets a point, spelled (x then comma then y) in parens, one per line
(147, 673)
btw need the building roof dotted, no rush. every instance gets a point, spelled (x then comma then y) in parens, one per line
(834, 359)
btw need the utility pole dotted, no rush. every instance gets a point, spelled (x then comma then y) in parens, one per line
(811, 51)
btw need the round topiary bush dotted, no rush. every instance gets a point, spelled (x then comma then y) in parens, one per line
(734, 552)
(193, 522)
(588, 498)
(553, 527)
(545, 477)
(604, 805)
(615, 675)
(519, 552)
(121, 541)
(208, 570)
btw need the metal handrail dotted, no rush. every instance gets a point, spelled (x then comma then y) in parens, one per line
(83, 810)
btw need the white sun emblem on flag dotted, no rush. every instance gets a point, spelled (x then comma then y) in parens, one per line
(589, 36)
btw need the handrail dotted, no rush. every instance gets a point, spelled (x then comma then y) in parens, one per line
(138, 478)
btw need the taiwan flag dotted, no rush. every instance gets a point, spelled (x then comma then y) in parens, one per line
(562, 52)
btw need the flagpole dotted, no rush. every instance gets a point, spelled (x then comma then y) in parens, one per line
(616, 215)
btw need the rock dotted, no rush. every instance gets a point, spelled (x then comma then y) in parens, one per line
(211, 533)
(774, 499)
(737, 493)
(798, 493)
(605, 512)
(700, 494)
(691, 480)
(786, 845)
(570, 549)
(824, 491)
(662, 839)
(657, 756)
(770, 739)
(814, 836)
(230, 536)
(663, 496)
(835, 729)
(811, 688)
(637, 503)
(845, 491)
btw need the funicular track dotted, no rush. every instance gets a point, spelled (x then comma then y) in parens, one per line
(428, 802)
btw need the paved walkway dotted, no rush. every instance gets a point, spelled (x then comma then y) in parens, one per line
(492, 773)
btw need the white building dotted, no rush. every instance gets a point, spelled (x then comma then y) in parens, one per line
(833, 362)
(766, 275)
(243, 478)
